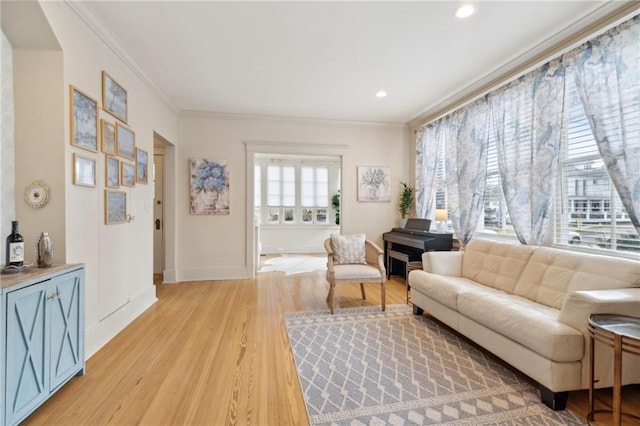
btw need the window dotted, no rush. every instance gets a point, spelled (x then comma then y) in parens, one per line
(591, 214)
(295, 190)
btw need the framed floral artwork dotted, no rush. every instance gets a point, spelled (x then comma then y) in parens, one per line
(374, 184)
(115, 207)
(108, 138)
(142, 166)
(114, 97)
(112, 172)
(128, 175)
(209, 186)
(84, 171)
(84, 120)
(125, 142)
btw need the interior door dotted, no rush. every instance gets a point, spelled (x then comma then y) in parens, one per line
(158, 214)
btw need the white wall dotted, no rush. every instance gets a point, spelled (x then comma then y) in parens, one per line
(118, 258)
(7, 204)
(215, 247)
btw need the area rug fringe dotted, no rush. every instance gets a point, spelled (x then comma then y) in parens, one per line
(363, 366)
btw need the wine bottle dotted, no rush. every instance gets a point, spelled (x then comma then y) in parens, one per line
(15, 247)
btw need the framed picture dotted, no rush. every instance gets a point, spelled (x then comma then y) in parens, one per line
(142, 166)
(108, 138)
(115, 207)
(374, 184)
(112, 172)
(128, 176)
(84, 120)
(84, 171)
(114, 97)
(125, 142)
(209, 188)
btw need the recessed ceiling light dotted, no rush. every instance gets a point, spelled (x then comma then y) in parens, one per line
(465, 11)
(381, 94)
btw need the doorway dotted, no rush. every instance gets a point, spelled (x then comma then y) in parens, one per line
(162, 154)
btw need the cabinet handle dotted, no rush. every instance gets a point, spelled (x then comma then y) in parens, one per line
(54, 295)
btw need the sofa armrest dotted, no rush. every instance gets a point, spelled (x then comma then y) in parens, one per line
(579, 305)
(443, 262)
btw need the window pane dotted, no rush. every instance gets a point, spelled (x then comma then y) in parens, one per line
(321, 216)
(307, 215)
(273, 185)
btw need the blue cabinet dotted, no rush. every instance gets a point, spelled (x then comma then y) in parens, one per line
(44, 340)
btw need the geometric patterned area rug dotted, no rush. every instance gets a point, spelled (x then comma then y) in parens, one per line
(362, 366)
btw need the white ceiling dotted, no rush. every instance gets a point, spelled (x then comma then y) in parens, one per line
(326, 60)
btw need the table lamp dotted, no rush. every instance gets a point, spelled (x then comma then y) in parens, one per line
(441, 219)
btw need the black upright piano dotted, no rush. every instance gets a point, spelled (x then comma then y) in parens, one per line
(407, 244)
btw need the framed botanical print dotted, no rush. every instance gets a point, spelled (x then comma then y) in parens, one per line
(128, 176)
(84, 171)
(374, 183)
(142, 166)
(126, 142)
(112, 172)
(108, 138)
(114, 97)
(83, 120)
(115, 207)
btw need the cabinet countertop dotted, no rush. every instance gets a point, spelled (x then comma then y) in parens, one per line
(31, 274)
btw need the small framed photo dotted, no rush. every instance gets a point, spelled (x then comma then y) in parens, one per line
(142, 166)
(115, 207)
(126, 142)
(83, 120)
(112, 172)
(84, 171)
(128, 176)
(114, 97)
(108, 138)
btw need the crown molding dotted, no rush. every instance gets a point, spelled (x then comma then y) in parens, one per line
(286, 119)
(112, 42)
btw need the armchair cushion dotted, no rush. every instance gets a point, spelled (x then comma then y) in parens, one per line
(348, 249)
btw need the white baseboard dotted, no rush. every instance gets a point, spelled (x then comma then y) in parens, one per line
(170, 276)
(239, 273)
(106, 329)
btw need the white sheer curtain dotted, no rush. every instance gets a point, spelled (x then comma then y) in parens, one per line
(466, 141)
(428, 143)
(607, 75)
(528, 116)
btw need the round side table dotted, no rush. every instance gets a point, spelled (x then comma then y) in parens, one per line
(622, 333)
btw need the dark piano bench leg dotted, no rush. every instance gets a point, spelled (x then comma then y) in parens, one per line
(417, 310)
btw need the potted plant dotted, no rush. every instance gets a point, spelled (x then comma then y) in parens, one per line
(335, 202)
(406, 200)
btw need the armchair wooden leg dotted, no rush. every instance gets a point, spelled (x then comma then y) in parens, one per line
(364, 296)
(331, 295)
(383, 295)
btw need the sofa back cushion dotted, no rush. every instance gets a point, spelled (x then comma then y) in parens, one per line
(551, 274)
(495, 264)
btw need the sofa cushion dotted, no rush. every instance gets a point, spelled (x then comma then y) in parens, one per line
(551, 274)
(444, 289)
(495, 264)
(528, 323)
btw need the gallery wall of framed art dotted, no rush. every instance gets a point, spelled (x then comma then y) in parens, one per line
(103, 131)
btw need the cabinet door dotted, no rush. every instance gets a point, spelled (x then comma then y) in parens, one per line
(27, 360)
(65, 310)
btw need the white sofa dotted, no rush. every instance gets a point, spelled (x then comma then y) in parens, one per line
(530, 306)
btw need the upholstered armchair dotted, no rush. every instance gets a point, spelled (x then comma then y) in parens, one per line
(353, 259)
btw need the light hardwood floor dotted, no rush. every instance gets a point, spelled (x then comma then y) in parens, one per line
(214, 353)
